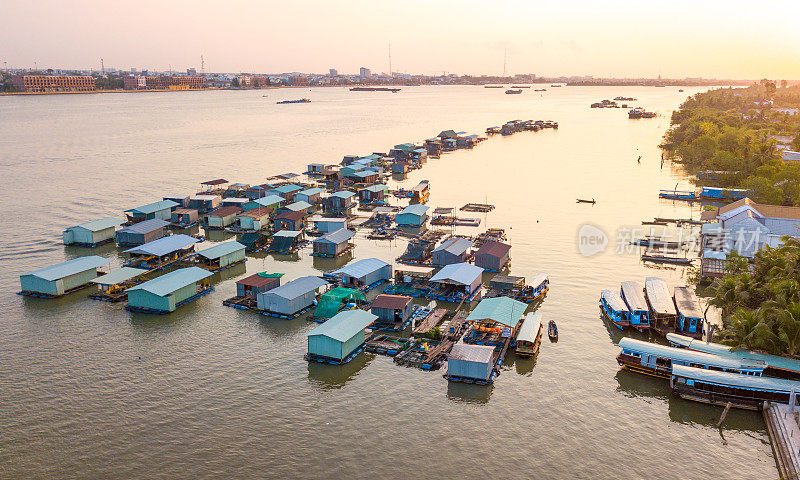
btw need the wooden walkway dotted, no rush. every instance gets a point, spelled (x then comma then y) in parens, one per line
(431, 321)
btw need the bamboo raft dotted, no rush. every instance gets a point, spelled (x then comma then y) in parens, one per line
(477, 207)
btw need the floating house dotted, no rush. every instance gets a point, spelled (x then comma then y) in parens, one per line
(255, 219)
(400, 167)
(364, 176)
(160, 253)
(339, 339)
(392, 308)
(421, 192)
(494, 321)
(328, 225)
(253, 241)
(309, 195)
(112, 285)
(456, 282)
(92, 234)
(234, 202)
(56, 280)
(691, 321)
(470, 363)
(258, 191)
(290, 220)
(204, 203)
(373, 193)
(166, 293)
(638, 312)
(291, 298)
(181, 200)
(412, 216)
(222, 217)
(161, 210)
(333, 244)
(339, 203)
(221, 256)
(453, 250)
(273, 202)
(286, 241)
(184, 217)
(492, 256)
(287, 191)
(142, 232)
(257, 283)
(300, 206)
(364, 273)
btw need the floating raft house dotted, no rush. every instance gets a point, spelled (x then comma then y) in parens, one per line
(222, 256)
(161, 210)
(142, 232)
(57, 280)
(470, 364)
(339, 339)
(364, 273)
(292, 298)
(92, 234)
(112, 284)
(168, 292)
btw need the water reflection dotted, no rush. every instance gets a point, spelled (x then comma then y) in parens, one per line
(229, 273)
(332, 377)
(218, 235)
(325, 264)
(523, 364)
(696, 413)
(469, 392)
(636, 385)
(74, 251)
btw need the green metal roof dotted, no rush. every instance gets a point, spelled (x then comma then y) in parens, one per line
(774, 361)
(153, 207)
(499, 309)
(175, 280)
(344, 325)
(100, 224)
(71, 267)
(120, 275)
(222, 249)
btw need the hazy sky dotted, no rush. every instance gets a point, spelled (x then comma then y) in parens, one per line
(731, 39)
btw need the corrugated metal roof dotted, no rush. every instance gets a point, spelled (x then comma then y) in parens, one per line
(416, 209)
(687, 303)
(164, 245)
(773, 361)
(298, 287)
(633, 295)
(256, 280)
(337, 237)
(146, 226)
(311, 191)
(614, 300)
(288, 188)
(218, 251)
(71, 267)
(455, 245)
(172, 281)
(376, 188)
(495, 249)
(459, 273)
(297, 206)
(204, 197)
(688, 356)
(344, 325)
(736, 380)
(120, 275)
(391, 302)
(658, 295)
(362, 267)
(342, 194)
(287, 233)
(224, 211)
(100, 224)
(499, 309)
(219, 181)
(363, 173)
(269, 200)
(154, 207)
(530, 327)
(472, 353)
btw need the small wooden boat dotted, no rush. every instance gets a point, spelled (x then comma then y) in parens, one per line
(302, 100)
(552, 330)
(583, 200)
(511, 91)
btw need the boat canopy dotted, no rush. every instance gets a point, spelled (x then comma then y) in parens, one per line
(658, 296)
(683, 355)
(632, 294)
(614, 300)
(687, 303)
(736, 380)
(773, 361)
(530, 328)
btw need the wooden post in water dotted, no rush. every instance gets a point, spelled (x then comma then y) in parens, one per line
(724, 414)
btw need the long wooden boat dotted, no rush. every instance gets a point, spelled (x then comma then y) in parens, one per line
(776, 366)
(662, 308)
(529, 337)
(638, 313)
(690, 321)
(721, 388)
(540, 285)
(614, 308)
(552, 330)
(658, 360)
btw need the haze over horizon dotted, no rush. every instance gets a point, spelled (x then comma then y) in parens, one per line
(712, 39)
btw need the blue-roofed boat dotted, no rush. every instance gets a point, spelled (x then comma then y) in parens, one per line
(658, 360)
(638, 312)
(614, 308)
(529, 336)
(721, 388)
(690, 321)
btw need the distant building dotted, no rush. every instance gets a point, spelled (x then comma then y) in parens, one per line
(52, 83)
(364, 72)
(333, 72)
(191, 72)
(163, 82)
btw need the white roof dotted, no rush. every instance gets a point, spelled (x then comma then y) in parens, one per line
(458, 273)
(472, 353)
(362, 267)
(298, 287)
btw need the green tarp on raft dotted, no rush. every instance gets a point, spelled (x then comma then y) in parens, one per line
(269, 275)
(331, 301)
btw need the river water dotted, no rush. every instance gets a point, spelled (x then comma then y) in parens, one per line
(89, 390)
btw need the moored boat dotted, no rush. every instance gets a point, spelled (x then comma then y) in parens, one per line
(638, 313)
(511, 91)
(302, 100)
(662, 308)
(552, 330)
(721, 388)
(374, 89)
(658, 360)
(529, 337)
(614, 308)
(691, 321)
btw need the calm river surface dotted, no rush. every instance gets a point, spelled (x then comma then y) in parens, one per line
(89, 390)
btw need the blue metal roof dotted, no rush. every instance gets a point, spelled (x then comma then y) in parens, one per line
(164, 245)
(363, 173)
(71, 267)
(689, 356)
(376, 188)
(172, 281)
(499, 309)
(297, 206)
(416, 209)
(146, 226)
(288, 188)
(773, 361)
(342, 194)
(97, 225)
(269, 200)
(362, 267)
(337, 237)
(218, 251)
(154, 207)
(311, 191)
(119, 275)
(298, 287)
(736, 379)
(344, 325)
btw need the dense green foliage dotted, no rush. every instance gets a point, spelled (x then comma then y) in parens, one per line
(760, 300)
(736, 131)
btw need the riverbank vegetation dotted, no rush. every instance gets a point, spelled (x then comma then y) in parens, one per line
(731, 138)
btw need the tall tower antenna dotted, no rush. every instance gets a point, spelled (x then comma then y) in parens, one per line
(102, 66)
(202, 65)
(390, 59)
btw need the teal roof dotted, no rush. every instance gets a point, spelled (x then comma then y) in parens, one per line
(172, 281)
(499, 309)
(530, 327)
(405, 146)
(288, 188)
(363, 173)
(297, 206)
(736, 379)
(416, 209)
(344, 325)
(154, 207)
(119, 275)
(220, 250)
(287, 233)
(71, 267)
(311, 191)
(773, 361)
(269, 200)
(101, 224)
(376, 188)
(342, 194)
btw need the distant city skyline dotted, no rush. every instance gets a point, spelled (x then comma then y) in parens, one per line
(612, 39)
